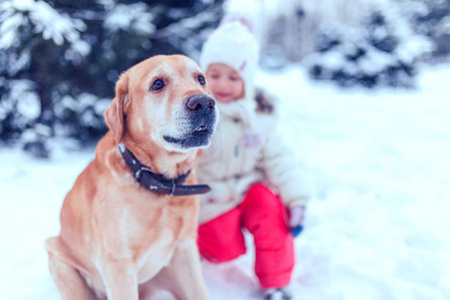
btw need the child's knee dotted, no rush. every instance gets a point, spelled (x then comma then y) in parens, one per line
(221, 248)
(263, 198)
(258, 188)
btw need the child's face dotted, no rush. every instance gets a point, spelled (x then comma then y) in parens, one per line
(224, 82)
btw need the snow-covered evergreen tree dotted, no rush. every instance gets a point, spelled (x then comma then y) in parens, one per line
(361, 42)
(430, 18)
(34, 42)
(382, 51)
(59, 59)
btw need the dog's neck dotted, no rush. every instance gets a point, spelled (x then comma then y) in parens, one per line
(170, 164)
(157, 183)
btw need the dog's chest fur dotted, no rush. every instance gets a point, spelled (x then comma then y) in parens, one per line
(133, 224)
(156, 257)
(151, 236)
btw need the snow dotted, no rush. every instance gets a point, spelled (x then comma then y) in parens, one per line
(131, 18)
(28, 103)
(24, 99)
(376, 228)
(46, 21)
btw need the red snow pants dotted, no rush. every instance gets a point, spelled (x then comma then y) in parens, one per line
(263, 215)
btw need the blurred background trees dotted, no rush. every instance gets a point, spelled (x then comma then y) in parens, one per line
(360, 42)
(59, 59)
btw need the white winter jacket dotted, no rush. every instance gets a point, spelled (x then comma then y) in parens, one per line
(246, 149)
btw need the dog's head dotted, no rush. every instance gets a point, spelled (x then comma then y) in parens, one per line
(165, 99)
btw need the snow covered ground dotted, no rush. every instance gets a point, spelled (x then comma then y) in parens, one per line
(377, 227)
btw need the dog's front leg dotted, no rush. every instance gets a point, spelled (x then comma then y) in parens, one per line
(120, 279)
(70, 284)
(183, 277)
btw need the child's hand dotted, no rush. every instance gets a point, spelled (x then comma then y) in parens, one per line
(296, 219)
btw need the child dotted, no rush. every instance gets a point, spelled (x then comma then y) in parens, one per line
(251, 173)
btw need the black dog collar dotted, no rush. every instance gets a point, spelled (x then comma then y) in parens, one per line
(156, 182)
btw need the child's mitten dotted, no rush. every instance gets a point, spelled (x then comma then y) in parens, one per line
(296, 219)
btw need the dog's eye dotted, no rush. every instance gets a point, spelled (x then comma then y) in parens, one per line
(201, 79)
(157, 85)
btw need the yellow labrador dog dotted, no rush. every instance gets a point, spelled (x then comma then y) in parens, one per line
(129, 223)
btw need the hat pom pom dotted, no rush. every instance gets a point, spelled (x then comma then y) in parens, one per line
(240, 19)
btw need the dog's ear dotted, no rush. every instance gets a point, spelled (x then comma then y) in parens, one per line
(114, 114)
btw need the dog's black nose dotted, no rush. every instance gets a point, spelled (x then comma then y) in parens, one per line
(200, 103)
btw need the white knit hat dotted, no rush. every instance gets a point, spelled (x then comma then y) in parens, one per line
(234, 45)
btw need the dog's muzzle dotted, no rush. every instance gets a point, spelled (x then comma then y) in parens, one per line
(201, 112)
